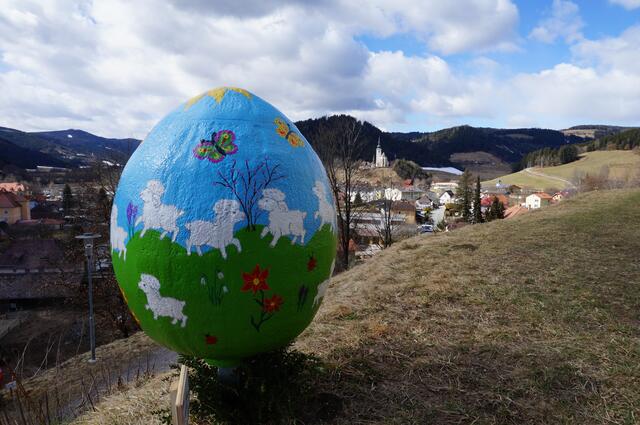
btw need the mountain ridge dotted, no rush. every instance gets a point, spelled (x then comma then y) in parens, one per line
(440, 148)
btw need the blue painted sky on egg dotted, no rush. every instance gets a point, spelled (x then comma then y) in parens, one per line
(190, 183)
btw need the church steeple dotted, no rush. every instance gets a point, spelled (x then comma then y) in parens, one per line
(380, 160)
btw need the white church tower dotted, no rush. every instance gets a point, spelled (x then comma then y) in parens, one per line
(380, 161)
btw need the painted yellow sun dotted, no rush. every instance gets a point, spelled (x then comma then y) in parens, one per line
(217, 94)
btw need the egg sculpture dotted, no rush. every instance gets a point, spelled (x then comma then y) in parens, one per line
(223, 229)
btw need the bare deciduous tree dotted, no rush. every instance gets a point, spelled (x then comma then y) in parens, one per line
(385, 227)
(339, 144)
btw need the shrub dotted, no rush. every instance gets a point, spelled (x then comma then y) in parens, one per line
(271, 388)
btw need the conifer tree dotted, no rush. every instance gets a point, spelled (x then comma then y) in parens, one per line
(358, 199)
(495, 211)
(67, 199)
(499, 210)
(103, 204)
(477, 210)
(464, 195)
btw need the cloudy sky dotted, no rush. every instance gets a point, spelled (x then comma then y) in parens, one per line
(116, 67)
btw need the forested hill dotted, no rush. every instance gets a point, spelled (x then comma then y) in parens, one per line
(436, 148)
(628, 139)
(64, 148)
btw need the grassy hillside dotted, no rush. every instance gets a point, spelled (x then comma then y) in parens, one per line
(530, 320)
(620, 164)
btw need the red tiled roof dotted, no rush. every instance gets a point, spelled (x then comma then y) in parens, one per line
(515, 211)
(403, 206)
(543, 195)
(9, 200)
(33, 254)
(487, 200)
(12, 187)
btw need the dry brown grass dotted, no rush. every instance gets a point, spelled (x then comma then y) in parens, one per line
(110, 356)
(530, 320)
(76, 385)
(137, 406)
(380, 176)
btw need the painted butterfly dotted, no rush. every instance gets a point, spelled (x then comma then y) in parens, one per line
(218, 148)
(283, 131)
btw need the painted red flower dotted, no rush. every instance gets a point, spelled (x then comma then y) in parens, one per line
(272, 304)
(211, 339)
(312, 263)
(256, 280)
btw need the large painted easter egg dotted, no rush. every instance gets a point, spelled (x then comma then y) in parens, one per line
(223, 229)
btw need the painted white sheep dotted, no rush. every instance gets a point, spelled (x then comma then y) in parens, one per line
(159, 305)
(117, 235)
(322, 288)
(282, 221)
(155, 214)
(219, 233)
(326, 212)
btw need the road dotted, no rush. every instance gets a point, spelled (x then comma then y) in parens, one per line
(546, 176)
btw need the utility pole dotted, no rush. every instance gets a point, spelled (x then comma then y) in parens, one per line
(87, 239)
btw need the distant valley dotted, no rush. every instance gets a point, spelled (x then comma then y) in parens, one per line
(488, 152)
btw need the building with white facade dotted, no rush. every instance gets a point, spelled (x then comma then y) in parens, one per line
(443, 186)
(447, 197)
(380, 160)
(537, 200)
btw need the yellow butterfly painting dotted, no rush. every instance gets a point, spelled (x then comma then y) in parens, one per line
(289, 135)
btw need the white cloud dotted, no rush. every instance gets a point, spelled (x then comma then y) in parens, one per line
(115, 68)
(611, 53)
(571, 94)
(564, 22)
(627, 4)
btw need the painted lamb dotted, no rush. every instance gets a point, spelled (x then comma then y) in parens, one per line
(322, 288)
(326, 212)
(282, 221)
(219, 233)
(118, 235)
(155, 214)
(159, 305)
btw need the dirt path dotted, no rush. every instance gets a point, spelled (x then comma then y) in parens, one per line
(546, 176)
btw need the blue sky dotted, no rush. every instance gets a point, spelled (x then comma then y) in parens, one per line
(116, 67)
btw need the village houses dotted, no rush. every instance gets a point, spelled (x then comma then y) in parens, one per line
(447, 197)
(538, 200)
(13, 208)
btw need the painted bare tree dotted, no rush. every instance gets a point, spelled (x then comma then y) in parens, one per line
(339, 145)
(246, 184)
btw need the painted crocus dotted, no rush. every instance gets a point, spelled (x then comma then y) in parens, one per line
(256, 280)
(132, 212)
